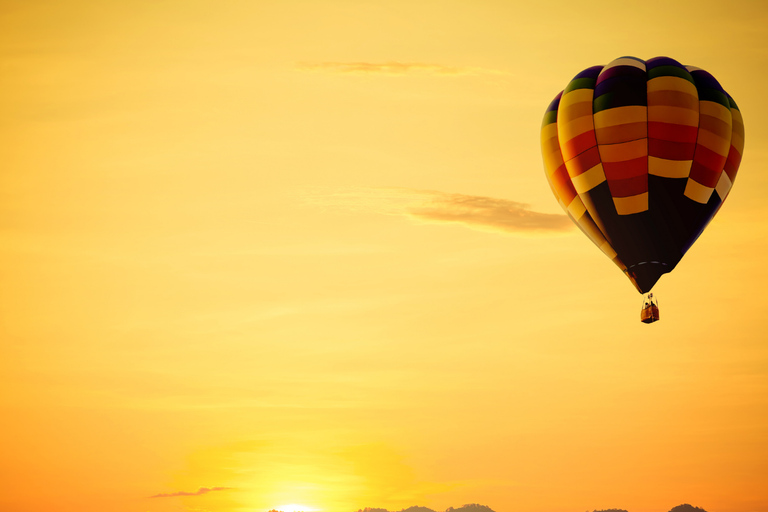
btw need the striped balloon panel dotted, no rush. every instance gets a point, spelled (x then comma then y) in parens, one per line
(553, 157)
(621, 129)
(734, 153)
(647, 151)
(714, 137)
(673, 118)
(577, 139)
(562, 187)
(697, 214)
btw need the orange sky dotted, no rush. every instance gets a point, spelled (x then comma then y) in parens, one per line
(261, 253)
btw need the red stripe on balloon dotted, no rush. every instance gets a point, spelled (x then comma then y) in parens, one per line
(629, 186)
(626, 169)
(579, 144)
(671, 150)
(672, 132)
(584, 162)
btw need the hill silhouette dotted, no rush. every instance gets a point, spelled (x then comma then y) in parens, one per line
(687, 508)
(471, 507)
(474, 507)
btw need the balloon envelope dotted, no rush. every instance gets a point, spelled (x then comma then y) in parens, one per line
(641, 155)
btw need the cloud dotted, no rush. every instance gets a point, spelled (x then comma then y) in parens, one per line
(395, 68)
(431, 206)
(488, 212)
(199, 492)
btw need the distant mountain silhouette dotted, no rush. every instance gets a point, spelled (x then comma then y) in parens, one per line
(687, 508)
(409, 509)
(472, 507)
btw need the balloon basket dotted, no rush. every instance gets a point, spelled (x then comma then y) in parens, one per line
(650, 311)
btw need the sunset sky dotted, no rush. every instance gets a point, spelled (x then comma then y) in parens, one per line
(256, 254)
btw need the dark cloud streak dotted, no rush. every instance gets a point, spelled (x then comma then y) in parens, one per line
(431, 206)
(488, 212)
(394, 68)
(199, 492)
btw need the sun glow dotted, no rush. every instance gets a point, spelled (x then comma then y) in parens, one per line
(294, 508)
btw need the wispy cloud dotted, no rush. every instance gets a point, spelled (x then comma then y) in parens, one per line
(199, 492)
(431, 206)
(395, 68)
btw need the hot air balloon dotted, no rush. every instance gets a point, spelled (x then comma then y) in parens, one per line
(641, 155)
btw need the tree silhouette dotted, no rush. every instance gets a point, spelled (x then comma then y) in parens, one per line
(471, 507)
(687, 508)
